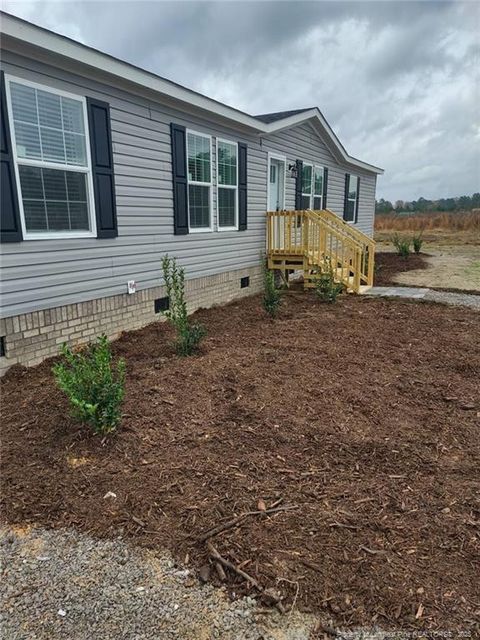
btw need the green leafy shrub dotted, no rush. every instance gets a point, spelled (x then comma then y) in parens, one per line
(417, 242)
(326, 288)
(93, 383)
(271, 295)
(189, 335)
(402, 245)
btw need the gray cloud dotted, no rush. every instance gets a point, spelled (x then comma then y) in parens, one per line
(398, 81)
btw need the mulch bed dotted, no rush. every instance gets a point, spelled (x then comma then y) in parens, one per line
(361, 419)
(388, 265)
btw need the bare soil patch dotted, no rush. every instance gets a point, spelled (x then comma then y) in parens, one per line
(363, 416)
(450, 268)
(389, 267)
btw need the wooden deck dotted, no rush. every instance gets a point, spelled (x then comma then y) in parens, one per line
(309, 240)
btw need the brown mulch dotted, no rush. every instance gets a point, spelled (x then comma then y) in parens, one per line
(388, 265)
(363, 417)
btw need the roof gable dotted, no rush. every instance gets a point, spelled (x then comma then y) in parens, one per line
(280, 115)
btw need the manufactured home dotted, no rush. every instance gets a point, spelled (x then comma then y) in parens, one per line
(105, 168)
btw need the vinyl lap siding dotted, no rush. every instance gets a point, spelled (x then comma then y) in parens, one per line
(42, 274)
(304, 143)
(47, 273)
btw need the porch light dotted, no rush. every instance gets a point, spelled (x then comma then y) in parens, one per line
(293, 170)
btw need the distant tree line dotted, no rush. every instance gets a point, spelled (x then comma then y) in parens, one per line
(423, 205)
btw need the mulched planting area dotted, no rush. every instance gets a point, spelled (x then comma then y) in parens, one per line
(359, 419)
(388, 265)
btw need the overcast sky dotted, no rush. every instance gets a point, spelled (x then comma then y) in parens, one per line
(399, 82)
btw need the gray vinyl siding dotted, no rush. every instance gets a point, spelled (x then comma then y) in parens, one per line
(303, 143)
(39, 274)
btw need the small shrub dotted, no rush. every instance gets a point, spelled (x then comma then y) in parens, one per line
(402, 245)
(271, 295)
(417, 242)
(94, 384)
(326, 288)
(189, 335)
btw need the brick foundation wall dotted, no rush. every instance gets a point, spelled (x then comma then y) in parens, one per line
(31, 337)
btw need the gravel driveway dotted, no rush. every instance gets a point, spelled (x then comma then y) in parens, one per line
(66, 585)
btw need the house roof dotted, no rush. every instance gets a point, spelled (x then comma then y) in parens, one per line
(40, 39)
(280, 115)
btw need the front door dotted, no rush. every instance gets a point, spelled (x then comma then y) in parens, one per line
(276, 198)
(276, 177)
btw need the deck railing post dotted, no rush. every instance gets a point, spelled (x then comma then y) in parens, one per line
(371, 265)
(356, 273)
(305, 230)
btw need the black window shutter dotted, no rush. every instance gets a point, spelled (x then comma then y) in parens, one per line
(345, 201)
(325, 187)
(358, 199)
(178, 135)
(298, 186)
(10, 227)
(242, 186)
(102, 168)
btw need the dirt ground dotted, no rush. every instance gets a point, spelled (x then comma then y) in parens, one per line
(359, 419)
(444, 266)
(390, 268)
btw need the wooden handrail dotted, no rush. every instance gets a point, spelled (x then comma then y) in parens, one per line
(368, 251)
(318, 236)
(361, 237)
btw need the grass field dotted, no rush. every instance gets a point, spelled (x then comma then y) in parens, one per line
(440, 229)
(457, 221)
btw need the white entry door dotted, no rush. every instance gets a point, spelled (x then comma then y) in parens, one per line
(276, 198)
(276, 178)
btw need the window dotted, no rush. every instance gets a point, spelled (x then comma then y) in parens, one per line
(227, 184)
(199, 158)
(318, 178)
(351, 198)
(307, 172)
(273, 173)
(51, 152)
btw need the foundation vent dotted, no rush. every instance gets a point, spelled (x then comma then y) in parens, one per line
(161, 304)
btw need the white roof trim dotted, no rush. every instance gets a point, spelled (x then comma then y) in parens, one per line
(61, 45)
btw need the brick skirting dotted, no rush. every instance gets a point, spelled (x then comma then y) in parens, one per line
(31, 337)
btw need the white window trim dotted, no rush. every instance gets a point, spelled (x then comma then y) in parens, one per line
(51, 235)
(226, 186)
(210, 228)
(354, 200)
(310, 195)
(318, 195)
(277, 156)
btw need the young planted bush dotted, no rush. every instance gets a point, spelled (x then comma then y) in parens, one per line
(417, 242)
(402, 245)
(189, 335)
(326, 288)
(93, 383)
(271, 295)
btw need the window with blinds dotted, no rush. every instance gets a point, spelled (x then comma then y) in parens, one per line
(50, 142)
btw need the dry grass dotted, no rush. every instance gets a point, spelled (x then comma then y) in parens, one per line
(437, 229)
(456, 221)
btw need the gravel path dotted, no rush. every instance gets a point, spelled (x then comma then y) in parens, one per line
(457, 299)
(66, 585)
(422, 293)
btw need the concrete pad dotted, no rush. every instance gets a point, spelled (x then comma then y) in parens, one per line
(397, 292)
